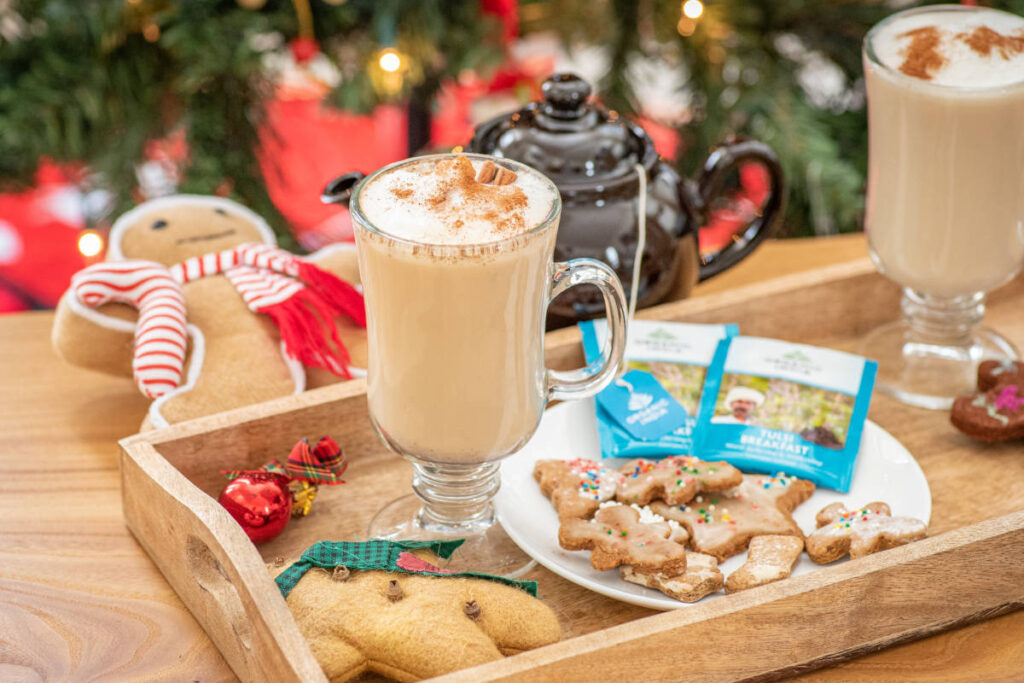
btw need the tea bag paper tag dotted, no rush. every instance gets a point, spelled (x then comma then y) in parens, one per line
(641, 406)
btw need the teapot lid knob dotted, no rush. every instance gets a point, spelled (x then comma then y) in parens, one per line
(564, 95)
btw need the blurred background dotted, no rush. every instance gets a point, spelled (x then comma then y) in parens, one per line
(105, 103)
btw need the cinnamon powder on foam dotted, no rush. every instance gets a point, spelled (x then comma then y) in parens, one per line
(923, 56)
(461, 197)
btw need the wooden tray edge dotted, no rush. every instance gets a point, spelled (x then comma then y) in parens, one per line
(961, 576)
(214, 568)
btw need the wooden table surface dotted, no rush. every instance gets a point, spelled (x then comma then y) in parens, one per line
(80, 600)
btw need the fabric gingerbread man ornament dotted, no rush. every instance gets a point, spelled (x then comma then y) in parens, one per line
(198, 304)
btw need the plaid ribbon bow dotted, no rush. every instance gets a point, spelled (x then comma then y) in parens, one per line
(324, 464)
(379, 554)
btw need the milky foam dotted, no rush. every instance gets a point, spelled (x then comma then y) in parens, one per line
(435, 202)
(963, 67)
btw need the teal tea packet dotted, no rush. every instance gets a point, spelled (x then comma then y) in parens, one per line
(651, 410)
(770, 405)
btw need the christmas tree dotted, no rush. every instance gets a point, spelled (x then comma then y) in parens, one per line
(96, 81)
(787, 72)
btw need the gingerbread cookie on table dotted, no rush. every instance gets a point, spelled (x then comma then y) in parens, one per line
(575, 487)
(701, 578)
(676, 479)
(617, 535)
(722, 524)
(769, 559)
(996, 412)
(860, 532)
(197, 303)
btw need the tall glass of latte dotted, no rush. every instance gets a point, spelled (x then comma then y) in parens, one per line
(455, 258)
(945, 198)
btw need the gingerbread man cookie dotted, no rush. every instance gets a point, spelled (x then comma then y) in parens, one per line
(996, 412)
(575, 487)
(769, 558)
(722, 524)
(618, 535)
(860, 532)
(676, 479)
(702, 577)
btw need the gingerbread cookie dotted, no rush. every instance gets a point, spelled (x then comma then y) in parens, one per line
(722, 524)
(575, 487)
(618, 535)
(676, 479)
(769, 558)
(860, 532)
(996, 412)
(702, 577)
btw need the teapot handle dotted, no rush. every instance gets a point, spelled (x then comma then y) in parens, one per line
(339, 190)
(720, 162)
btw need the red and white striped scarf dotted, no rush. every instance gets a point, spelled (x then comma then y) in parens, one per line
(302, 299)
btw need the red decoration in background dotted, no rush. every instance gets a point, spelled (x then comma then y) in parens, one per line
(305, 144)
(304, 49)
(745, 203)
(260, 502)
(39, 231)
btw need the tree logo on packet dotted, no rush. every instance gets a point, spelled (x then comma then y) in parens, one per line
(662, 333)
(640, 401)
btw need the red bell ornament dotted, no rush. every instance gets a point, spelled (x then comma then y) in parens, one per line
(260, 502)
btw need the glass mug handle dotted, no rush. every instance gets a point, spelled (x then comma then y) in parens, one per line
(589, 380)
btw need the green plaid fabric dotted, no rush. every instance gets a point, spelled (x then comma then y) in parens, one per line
(379, 554)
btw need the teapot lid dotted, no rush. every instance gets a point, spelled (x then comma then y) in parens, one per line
(568, 137)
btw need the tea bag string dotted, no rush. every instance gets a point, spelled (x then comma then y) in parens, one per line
(641, 243)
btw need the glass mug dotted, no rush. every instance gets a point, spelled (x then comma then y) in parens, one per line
(945, 216)
(456, 379)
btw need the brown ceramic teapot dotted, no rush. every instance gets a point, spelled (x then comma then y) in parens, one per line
(592, 155)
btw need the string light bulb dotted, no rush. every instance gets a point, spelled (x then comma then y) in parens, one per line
(693, 9)
(390, 61)
(90, 244)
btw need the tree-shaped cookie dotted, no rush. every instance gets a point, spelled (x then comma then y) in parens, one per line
(411, 626)
(576, 487)
(702, 577)
(617, 536)
(996, 411)
(769, 558)
(860, 532)
(676, 479)
(722, 524)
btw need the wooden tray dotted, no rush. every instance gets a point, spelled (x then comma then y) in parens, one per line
(971, 568)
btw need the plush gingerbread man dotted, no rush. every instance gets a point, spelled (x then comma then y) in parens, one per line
(196, 302)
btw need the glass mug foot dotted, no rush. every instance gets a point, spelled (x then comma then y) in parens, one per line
(487, 547)
(931, 356)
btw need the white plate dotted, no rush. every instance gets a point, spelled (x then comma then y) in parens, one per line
(885, 471)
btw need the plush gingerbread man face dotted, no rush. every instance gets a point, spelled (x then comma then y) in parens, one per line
(171, 232)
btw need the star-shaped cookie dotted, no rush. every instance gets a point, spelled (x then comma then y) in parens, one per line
(722, 524)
